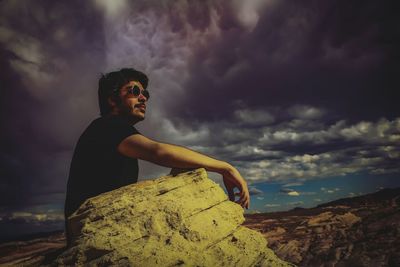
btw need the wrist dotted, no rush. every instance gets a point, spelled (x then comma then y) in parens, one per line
(225, 168)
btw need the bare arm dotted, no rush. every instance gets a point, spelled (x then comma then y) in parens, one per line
(172, 156)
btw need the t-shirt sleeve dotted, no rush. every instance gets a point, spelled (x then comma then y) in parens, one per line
(115, 131)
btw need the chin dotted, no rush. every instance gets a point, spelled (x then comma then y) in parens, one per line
(134, 117)
(138, 117)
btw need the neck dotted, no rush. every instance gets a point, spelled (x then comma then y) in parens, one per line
(129, 119)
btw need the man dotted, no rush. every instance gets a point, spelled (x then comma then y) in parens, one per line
(106, 155)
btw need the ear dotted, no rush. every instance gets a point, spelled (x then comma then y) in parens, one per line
(111, 102)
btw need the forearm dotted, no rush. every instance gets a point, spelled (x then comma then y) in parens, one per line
(180, 157)
(172, 156)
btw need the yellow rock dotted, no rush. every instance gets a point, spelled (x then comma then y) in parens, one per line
(185, 220)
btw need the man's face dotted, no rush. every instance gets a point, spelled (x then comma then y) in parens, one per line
(134, 107)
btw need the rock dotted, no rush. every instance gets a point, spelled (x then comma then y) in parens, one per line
(293, 249)
(348, 219)
(321, 218)
(358, 231)
(32, 252)
(174, 220)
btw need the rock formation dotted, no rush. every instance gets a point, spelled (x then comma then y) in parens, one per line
(174, 220)
(359, 231)
(33, 252)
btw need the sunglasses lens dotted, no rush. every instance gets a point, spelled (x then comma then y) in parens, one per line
(146, 94)
(136, 91)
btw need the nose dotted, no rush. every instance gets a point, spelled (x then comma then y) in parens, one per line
(142, 97)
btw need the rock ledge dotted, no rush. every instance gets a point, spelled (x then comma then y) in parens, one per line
(174, 220)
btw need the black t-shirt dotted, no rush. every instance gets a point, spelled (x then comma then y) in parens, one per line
(97, 166)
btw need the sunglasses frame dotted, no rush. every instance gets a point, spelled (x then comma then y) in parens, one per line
(135, 91)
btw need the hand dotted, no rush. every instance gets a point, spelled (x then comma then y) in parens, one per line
(232, 179)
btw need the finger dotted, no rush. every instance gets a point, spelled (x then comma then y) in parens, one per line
(245, 202)
(229, 189)
(241, 202)
(242, 195)
(243, 198)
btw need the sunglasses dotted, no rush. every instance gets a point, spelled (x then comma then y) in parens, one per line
(135, 91)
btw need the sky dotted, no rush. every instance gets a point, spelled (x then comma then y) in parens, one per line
(300, 96)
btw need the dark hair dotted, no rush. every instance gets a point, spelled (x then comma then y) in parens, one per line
(110, 83)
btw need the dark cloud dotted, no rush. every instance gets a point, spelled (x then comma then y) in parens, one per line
(49, 49)
(340, 56)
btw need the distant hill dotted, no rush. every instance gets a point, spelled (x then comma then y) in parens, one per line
(378, 198)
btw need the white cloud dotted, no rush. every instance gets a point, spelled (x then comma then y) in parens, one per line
(21, 214)
(35, 216)
(330, 190)
(255, 191)
(391, 151)
(296, 203)
(376, 137)
(252, 211)
(293, 184)
(306, 158)
(286, 190)
(290, 192)
(294, 194)
(306, 112)
(268, 153)
(254, 116)
(183, 134)
(380, 132)
(271, 205)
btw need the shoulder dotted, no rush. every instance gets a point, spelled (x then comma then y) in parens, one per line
(107, 120)
(111, 122)
(112, 129)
